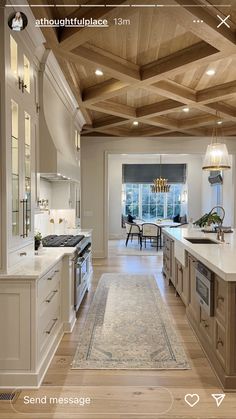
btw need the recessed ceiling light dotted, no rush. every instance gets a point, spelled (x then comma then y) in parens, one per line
(135, 123)
(219, 122)
(210, 72)
(99, 72)
(186, 109)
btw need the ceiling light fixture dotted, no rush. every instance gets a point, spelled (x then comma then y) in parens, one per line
(186, 109)
(135, 123)
(160, 185)
(211, 72)
(219, 122)
(217, 156)
(99, 72)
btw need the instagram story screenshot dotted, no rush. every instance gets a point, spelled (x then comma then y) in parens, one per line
(118, 209)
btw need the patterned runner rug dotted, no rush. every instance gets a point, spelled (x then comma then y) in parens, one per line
(128, 326)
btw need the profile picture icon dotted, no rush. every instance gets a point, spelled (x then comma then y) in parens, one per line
(17, 21)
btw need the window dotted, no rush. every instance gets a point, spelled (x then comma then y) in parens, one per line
(139, 201)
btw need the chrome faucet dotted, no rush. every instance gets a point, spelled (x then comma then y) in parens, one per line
(220, 234)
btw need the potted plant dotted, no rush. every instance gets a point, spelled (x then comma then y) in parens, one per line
(211, 218)
(37, 240)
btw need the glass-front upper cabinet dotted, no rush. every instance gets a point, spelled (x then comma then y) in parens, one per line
(22, 166)
(21, 75)
(22, 123)
(15, 168)
(27, 174)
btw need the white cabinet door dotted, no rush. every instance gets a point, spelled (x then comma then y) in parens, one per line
(14, 326)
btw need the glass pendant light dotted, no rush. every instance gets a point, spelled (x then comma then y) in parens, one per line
(160, 185)
(216, 157)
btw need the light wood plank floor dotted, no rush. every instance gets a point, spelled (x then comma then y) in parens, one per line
(128, 394)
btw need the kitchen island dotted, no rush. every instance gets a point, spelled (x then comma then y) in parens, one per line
(203, 272)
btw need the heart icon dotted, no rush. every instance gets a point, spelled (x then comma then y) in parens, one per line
(192, 399)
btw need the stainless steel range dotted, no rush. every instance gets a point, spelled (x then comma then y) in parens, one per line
(81, 261)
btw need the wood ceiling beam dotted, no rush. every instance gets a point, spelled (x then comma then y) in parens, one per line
(114, 67)
(189, 98)
(151, 131)
(50, 33)
(221, 38)
(103, 91)
(115, 109)
(182, 60)
(227, 111)
(198, 121)
(120, 70)
(73, 37)
(158, 108)
(174, 91)
(110, 121)
(161, 121)
(219, 92)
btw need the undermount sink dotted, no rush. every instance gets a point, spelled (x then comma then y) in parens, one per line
(200, 240)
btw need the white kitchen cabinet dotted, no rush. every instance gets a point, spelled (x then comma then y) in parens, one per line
(48, 309)
(21, 133)
(15, 326)
(30, 326)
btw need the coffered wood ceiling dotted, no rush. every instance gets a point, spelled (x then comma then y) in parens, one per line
(152, 68)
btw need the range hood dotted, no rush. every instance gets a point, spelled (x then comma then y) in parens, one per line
(59, 118)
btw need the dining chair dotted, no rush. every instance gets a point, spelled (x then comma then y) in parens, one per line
(133, 230)
(151, 231)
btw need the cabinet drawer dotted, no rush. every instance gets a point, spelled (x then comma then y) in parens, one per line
(220, 342)
(49, 306)
(220, 299)
(207, 325)
(47, 283)
(48, 327)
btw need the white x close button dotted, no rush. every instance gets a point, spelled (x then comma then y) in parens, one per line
(223, 21)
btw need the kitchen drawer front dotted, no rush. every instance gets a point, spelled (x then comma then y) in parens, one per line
(207, 325)
(220, 342)
(49, 306)
(47, 283)
(49, 323)
(220, 299)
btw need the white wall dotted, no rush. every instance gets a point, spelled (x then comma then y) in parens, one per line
(194, 164)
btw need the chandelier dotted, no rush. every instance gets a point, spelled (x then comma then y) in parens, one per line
(160, 185)
(216, 157)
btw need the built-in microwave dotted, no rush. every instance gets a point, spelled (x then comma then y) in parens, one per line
(205, 287)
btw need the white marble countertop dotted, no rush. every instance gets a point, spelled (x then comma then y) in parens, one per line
(220, 257)
(38, 263)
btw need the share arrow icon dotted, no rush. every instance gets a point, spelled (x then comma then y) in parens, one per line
(218, 398)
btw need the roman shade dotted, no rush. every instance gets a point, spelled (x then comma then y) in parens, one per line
(145, 173)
